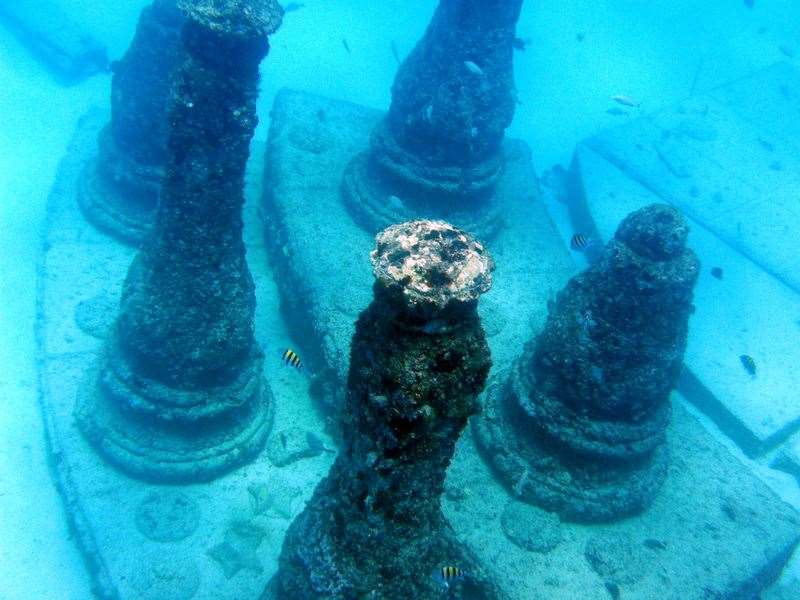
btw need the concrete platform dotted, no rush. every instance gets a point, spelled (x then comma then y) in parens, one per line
(788, 459)
(712, 163)
(142, 541)
(715, 531)
(728, 159)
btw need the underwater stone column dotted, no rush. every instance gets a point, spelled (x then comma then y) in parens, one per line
(579, 426)
(374, 526)
(118, 191)
(180, 396)
(438, 153)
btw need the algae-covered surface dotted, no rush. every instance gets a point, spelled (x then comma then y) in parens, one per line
(580, 54)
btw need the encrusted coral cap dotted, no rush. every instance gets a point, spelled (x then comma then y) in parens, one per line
(431, 263)
(657, 231)
(244, 18)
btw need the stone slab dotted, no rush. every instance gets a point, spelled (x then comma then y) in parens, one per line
(729, 160)
(724, 533)
(63, 46)
(714, 531)
(321, 257)
(747, 311)
(788, 459)
(143, 541)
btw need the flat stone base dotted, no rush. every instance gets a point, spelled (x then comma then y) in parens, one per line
(713, 531)
(167, 453)
(103, 206)
(788, 459)
(533, 474)
(125, 215)
(375, 204)
(143, 541)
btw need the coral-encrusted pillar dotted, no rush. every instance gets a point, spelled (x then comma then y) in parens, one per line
(579, 426)
(119, 189)
(374, 527)
(180, 396)
(438, 153)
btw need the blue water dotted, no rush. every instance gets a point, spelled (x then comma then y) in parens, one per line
(580, 55)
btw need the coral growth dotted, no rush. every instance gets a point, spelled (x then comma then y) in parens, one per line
(438, 153)
(374, 527)
(180, 395)
(579, 426)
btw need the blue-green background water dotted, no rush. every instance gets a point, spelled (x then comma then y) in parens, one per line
(581, 53)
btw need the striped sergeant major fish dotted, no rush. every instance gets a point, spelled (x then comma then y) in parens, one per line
(291, 358)
(590, 247)
(580, 242)
(448, 575)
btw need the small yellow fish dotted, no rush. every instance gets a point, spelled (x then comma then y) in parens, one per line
(291, 358)
(626, 101)
(749, 364)
(580, 242)
(448, 574)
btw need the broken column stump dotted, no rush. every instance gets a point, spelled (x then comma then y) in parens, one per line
(579, 426)
(419, 358)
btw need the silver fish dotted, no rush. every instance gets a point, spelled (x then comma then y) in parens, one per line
(473, 68)
(626, 101)
(395, 53)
